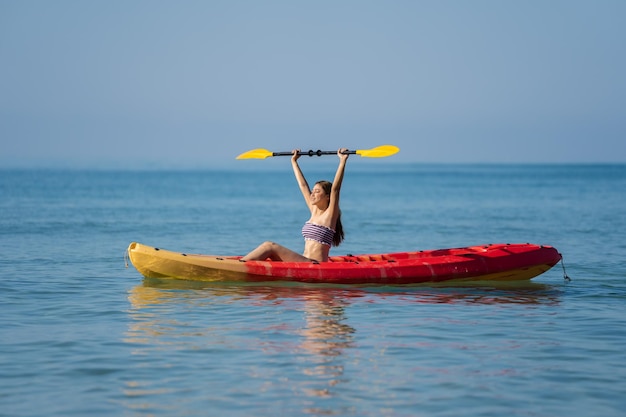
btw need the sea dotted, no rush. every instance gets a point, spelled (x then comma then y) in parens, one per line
(82, 333)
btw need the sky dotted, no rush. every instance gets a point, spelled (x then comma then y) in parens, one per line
(192, 84)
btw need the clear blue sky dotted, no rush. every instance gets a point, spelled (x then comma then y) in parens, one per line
(194, 83)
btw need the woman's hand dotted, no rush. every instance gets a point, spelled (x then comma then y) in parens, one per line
(296, 155)
(343, 156)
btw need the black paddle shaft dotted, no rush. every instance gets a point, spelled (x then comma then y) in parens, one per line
(311, 152)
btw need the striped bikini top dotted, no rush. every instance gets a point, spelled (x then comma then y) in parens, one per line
(321, 234)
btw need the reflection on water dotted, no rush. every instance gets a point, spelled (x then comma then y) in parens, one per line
(183, 316)
(155, 291)
(325, 331)
(325, 336)
(322, 338)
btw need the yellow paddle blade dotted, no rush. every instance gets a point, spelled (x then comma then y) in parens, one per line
(378, 152)
(256, 154)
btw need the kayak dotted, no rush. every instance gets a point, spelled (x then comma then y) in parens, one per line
(492, 262)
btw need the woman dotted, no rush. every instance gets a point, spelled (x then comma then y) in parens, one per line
(322, 230)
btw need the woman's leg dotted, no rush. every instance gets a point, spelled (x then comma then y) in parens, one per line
(275, 252)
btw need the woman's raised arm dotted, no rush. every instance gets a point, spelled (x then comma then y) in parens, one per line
(302, 183)
(336, 188)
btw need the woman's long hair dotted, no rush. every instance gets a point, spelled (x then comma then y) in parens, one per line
(339, 234)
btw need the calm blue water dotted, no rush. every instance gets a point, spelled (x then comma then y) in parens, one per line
(80, 334)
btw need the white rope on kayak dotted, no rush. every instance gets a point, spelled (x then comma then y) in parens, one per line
(565, 277)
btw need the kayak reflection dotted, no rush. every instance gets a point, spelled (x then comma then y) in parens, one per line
(305, 328)
(154, 291)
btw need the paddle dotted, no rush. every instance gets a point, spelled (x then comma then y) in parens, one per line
(378, 152)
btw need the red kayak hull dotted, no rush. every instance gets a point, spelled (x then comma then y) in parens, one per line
(492, 262)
